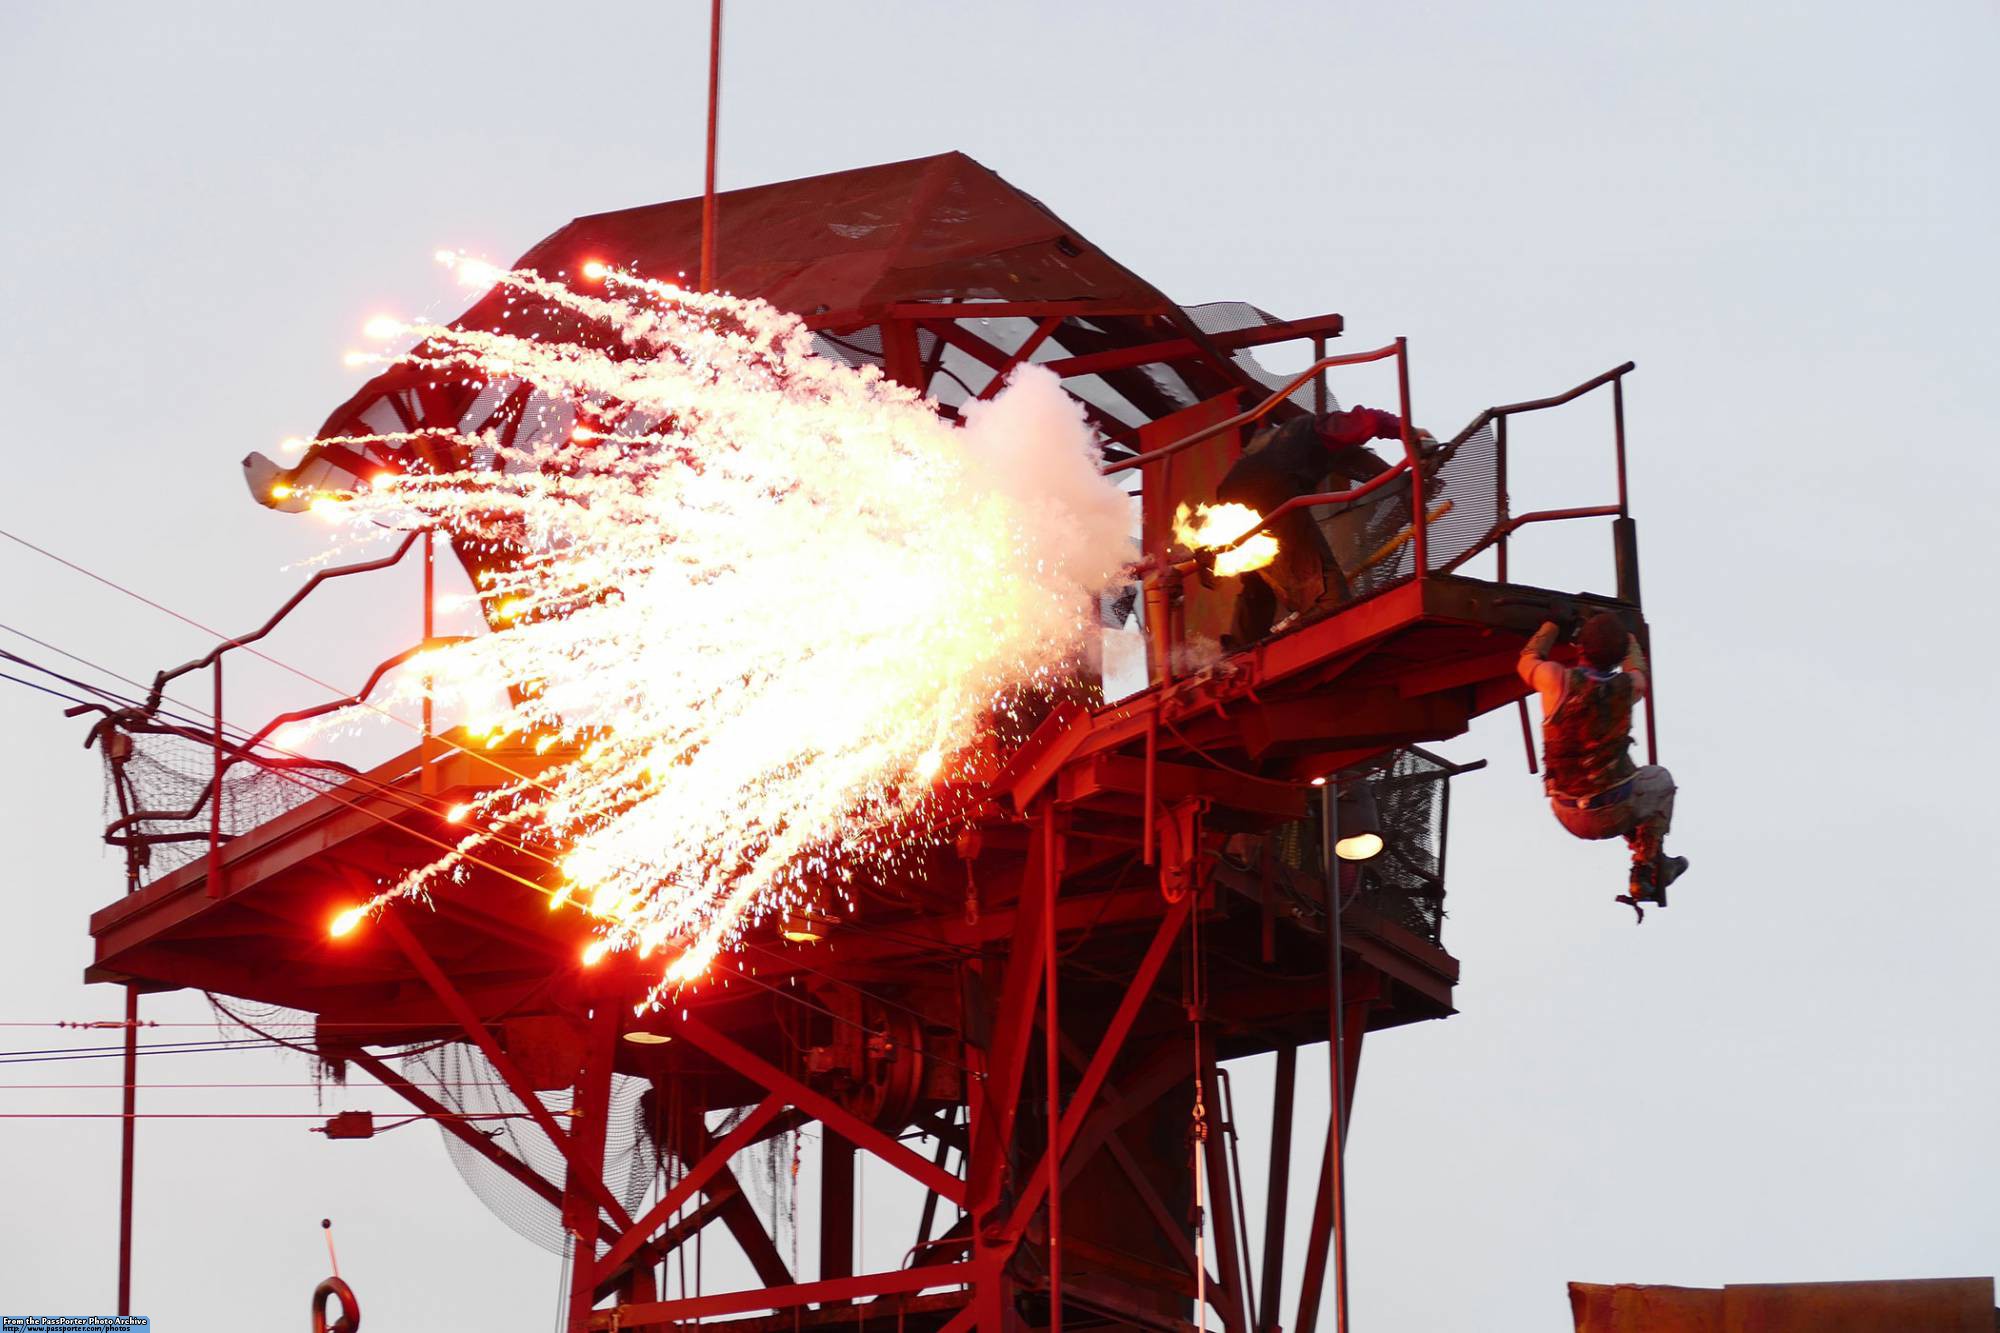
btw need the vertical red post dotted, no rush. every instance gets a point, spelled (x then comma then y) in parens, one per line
(1337, 1036)
(1618, 429)
(127, 1144)
(1628, 566)
(1418, 546)
(1270, 1290)
(1151, 794)
(1052, 1041)
(708, 186)
(426, 777)
(592, 1101)
(215, 792)
(836, 1208)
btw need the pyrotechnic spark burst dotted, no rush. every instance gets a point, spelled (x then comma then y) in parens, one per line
(755, 612)
(1207, 527)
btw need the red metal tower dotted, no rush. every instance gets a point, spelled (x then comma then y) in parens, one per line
(1143, 892)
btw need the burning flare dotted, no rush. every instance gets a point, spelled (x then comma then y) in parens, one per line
(1207, 527)
(752, 613)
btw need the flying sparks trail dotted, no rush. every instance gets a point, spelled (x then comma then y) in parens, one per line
(753, 605)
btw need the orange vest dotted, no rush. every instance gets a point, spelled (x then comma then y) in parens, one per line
(1584, 741)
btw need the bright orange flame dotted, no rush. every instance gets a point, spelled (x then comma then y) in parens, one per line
(458, 813)
(593, 952)
(1207, 527)
(292, 444)
(384, 327)
(281, 492)
(346, 921)
(594, 270)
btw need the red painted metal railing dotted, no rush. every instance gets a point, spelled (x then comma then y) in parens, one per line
(128, 829)
(1161, 577)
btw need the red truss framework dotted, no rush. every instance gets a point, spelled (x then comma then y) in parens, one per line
(1141, 896)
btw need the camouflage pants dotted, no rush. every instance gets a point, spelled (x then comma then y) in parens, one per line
(1642, 818)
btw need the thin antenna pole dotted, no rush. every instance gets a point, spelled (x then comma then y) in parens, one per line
(708, 188)
(326, 1225)
(126, 1147)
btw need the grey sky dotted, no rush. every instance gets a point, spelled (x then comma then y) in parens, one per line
(1783, 212)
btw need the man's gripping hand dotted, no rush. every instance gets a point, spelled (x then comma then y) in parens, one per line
(1563, 615)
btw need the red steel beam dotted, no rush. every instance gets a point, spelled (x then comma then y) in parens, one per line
(1012, 1026)
(609, 1280)
(698, 1175)
(784, 1298)
(455, 1125)
(822, 1108)
(1270, 1291)
(1014, 310)
(475, 1027)
(1108, 1049)
(1234, 1305)
(1173, 1228)
(585, 1157)
(1312, 1283)
(1180, 349)
(1052, 868)
(836, 1208)
(1027, 349)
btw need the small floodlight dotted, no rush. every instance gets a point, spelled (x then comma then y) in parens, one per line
(641, 1037)
(1359, 824)
(802, 926)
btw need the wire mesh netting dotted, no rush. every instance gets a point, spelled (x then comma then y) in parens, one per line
(1371, 538)
(158, 785)
(642, 1156)
(1405, 883)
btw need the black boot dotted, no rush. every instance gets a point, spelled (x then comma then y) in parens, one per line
(1645, 888)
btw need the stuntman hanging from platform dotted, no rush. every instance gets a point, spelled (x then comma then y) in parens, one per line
(1281, 464)
(1594, 788)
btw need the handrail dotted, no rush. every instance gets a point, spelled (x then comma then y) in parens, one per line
(243, 751)
(1373, 484)
(1539, 404)
(1547, 516)
(382, 669)
(1256, 413)
(215, 654)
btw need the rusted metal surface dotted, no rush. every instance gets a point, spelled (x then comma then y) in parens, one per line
(1923, 1305)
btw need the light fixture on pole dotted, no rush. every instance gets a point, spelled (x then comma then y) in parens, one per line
(1359, 824)
(802, 925)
